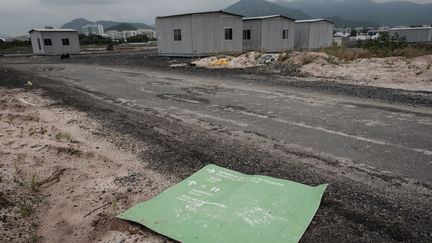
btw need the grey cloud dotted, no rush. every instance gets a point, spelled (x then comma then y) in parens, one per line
(74, 2)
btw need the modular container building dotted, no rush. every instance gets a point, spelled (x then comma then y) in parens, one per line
(414, 35)
(268, 33)
(55, 41)
(313, 33)
(199, 34)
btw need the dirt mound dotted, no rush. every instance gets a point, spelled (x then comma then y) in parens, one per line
(390, 72)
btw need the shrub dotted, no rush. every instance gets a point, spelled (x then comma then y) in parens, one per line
(94, 40)
(137, 39)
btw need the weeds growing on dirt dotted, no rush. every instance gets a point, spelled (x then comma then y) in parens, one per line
(385, 46)
(25, 210)
(63, 136)
(34, 238)
(34, 182)
(332, 60)
(19, 159)
(306, 60)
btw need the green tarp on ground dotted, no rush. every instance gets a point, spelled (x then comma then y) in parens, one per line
(221, 205)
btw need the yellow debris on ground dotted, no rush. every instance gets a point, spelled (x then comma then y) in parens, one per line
(220, 62)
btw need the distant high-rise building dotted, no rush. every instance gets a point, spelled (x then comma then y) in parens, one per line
(92, 29)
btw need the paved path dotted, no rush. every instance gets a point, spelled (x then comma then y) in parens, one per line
(388, 138)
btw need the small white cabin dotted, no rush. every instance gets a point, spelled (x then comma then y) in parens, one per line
(313, 33)
(199, 34)
(55, 41)
(268, 33)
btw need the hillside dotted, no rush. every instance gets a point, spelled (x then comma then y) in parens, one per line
(77, 23)
(389, 13)
(260, 8)
(121, 27)
(339, 22)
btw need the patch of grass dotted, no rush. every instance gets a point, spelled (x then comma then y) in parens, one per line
(34, 238)
(332, 60)
(307, 59)
(19, 159)
(25, 210)
(63, 136)
(34, 182)
(349, 54)
(285, 56)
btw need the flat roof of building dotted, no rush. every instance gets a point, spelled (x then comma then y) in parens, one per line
(313, 21)
(208, 12)
(268, 17)
(412, 28)
(53, 30)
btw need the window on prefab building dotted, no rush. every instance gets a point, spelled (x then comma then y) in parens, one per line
(65, 42)
(228, 33)
(47, 42)
(246, 34)
(177, 35)
(285, 34)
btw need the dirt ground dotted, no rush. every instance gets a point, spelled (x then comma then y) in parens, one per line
(59, 183)
(391, 72)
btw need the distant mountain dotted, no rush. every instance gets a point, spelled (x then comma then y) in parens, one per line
(388, 13)
(251, 8)
(339, 22)
(121, 27)
(77, 23)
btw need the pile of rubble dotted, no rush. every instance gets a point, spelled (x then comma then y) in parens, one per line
(250, 59)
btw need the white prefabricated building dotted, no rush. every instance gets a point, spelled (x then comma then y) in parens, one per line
(55, 41)
(199, 34)
(414, 34)
(268, 33)
(313, 33)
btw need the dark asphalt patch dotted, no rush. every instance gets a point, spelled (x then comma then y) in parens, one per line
(205, 90)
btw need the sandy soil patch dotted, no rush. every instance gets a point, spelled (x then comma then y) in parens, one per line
(391, 72)
(60, 183)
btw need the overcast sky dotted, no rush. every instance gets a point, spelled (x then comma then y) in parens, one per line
(19, 16)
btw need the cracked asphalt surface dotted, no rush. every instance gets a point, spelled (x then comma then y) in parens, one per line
(376, 155)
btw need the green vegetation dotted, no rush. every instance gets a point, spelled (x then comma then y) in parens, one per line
(121, 27)
(137, 39)
(94, 40)
(307, 59)
(25, 210)
(14, 44)
(384, 43)
(384, 46)
(63, 136)
(34, 182)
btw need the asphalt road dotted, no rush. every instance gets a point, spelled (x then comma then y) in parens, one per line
(389, 138)
(375, 156)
